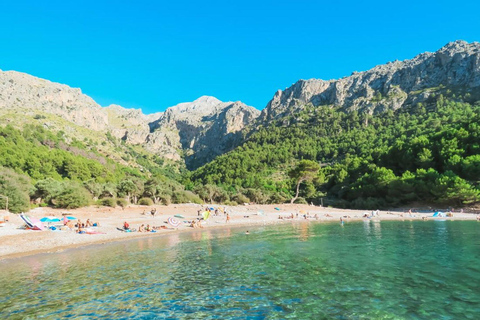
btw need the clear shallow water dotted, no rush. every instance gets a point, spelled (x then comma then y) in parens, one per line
(371, 270)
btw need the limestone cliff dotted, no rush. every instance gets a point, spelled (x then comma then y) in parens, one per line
(29, 95)
(202, 129)
(389, 86)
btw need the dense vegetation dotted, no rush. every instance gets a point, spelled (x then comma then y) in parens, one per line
(429, 153)
(40, 166)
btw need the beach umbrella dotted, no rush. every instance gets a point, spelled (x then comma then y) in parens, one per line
(206, 215)
(50, 219)
(173, 222)
(70, 218)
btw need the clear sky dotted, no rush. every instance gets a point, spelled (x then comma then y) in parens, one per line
(155, 54)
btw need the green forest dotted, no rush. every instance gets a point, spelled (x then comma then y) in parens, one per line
(40, 167)
(428, 153)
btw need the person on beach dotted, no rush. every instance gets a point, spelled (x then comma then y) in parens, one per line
(126, 226)
(141, 228)
(228, 218)
(153, 212)
(70, 225)
(88, 223)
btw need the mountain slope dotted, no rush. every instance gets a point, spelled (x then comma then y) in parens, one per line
(399, 133)
(203, 129)
(390, 86)
(194, 132)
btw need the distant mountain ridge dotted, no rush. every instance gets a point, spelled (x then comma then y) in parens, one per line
(387, 86)
(193, 132)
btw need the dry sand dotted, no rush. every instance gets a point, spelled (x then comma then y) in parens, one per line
(16, 241)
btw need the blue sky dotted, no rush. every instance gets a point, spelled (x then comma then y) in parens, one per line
(155, 54)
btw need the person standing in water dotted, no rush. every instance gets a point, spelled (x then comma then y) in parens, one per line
(228, 218)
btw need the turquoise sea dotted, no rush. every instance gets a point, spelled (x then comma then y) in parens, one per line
(363, 270)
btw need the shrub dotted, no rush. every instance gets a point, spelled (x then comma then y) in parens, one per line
(166, 199)
(145, 202)
(16, 188)
(240, 198)
(186, 197)
(122, 202)
(301, 200)
(230, 203)
(73, 196)
(108, 202)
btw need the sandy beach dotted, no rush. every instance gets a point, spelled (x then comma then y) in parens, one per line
(15, 241)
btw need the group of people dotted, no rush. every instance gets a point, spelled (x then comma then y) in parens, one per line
(196, 223)
(153, 212)
(81, 227)
(296, 216)
(213, 211)
(142, 228)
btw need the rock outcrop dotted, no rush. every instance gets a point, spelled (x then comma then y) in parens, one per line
(202, 129)
(388, 86)
(21, 92)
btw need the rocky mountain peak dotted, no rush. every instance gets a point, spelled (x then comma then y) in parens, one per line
(203, 129)
(387, 86)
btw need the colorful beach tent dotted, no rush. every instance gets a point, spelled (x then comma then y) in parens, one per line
(26, 220)
(32, 222)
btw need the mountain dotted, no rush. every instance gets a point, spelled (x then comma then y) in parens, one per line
(202, 129)
(24, 95)
(193, 132)
(400, 134)
(390, 86)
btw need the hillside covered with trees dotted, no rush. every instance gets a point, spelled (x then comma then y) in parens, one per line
(429, 153)
(40, 166)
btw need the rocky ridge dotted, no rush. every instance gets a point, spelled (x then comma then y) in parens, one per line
(384, 87)
(203, 129)
(193, 132)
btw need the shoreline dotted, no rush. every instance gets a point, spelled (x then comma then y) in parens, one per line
(17, 243)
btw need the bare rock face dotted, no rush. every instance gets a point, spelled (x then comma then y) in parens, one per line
(388, 86)
(202, 129)
(20, 92)
(130, 125)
